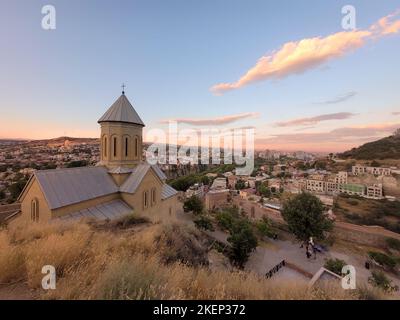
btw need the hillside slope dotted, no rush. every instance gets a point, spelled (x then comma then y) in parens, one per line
(134, 262)
(386, 148)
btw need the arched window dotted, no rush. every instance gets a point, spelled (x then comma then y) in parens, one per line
(115, 146)
(105, 147)
(126, 146)
(145, 199)
(153, 196)
(35, 210)
(136, 147)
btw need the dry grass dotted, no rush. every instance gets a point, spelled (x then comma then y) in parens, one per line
(158, 262)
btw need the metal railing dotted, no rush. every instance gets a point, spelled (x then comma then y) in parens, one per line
(275, 269)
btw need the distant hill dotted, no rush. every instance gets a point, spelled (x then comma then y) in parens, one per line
(386, 148)
(64, 140)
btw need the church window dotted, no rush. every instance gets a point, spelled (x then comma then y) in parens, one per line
(153, 196)
(35, 210)
(105, 147)
(126, 146)
(145, 199)
(115, 146)
(136, 147)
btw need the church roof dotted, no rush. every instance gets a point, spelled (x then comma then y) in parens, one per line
(111, 210)
(120, 170)
(133, 181)
(62, 187)
(121, 111)
(167, 192)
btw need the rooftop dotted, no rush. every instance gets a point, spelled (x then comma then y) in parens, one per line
(121, 111)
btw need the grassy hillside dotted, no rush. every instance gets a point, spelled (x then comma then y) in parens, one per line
(386, 148)
(118, 261)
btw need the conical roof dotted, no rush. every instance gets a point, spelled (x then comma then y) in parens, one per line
(121, 111)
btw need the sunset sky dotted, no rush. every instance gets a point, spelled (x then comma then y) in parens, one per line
(286, 68)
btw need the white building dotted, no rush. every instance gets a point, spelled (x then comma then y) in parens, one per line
(378, 171)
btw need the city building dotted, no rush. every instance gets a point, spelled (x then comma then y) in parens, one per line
(375, 191)
(216, 198)
(196, 190)
(378, 171)
(120, 184)
(218, 183)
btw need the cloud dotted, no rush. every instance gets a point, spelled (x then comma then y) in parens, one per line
(315, 120)
(339, 135)
(214, 121)
(297, 57)
(395, 113)
(387, 25)
(304, 128)
(339, 99)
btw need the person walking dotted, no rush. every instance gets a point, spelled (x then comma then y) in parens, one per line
(308, 253)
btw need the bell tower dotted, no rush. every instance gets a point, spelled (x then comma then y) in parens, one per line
(121, 140)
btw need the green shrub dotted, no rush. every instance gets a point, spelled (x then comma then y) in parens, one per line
(335, 265)
(129, 220)
(193, 204)
(204, 223)
(379, 280)
(383, 259)
(393, 243)
(264, 228)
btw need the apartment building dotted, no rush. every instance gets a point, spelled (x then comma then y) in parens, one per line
(378, 171)
(375, 191)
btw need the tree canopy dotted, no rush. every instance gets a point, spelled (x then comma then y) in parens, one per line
(193, 204)
(304, 214)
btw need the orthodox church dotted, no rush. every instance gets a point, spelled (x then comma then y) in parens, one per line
(121, 183)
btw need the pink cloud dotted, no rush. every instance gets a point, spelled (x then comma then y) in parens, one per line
(214, 121)
(315, 120)
(299, 56)
(335, 140)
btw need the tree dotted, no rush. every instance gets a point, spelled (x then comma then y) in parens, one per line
(205, 180)
(264, 227)
(240, 184)
(243, 241)
(375, 163)
(304, 214)
(264, 191)
(193, 204)
(16, 188)
(204, 223)
(75, 164)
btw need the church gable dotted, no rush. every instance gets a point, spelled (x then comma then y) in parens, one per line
(34, 206)
(147, 195)
(137, 176)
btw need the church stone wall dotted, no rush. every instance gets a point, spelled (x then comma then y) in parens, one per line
(120, 131)
(32, 192)
(159, 209)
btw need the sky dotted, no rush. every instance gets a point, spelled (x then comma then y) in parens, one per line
(286, 68)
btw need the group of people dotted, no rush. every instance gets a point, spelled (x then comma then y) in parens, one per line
(311, 249)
